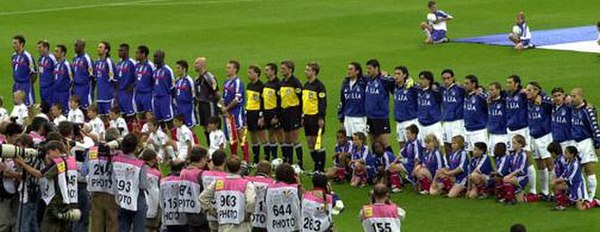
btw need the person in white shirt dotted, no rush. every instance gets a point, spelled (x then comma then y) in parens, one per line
(3, 111)
(185, 139)
(96, 124)
(56, 112)
(19, 112)
(520, 35)
(75, 114)
(160, 141)
(116, 121)
(435, 28)
(216, 135)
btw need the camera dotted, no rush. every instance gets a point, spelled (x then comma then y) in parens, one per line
(12, 151)
(71, 215)
(105, 148)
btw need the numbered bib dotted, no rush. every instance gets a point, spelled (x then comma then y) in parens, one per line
(283, 208)
(67, 179)
(169, 192)
(153, 193)
(316, 214)
(208, 177)
(259, 217)
(380, 218)
(126, 173)
(99, 178)
(231, 200)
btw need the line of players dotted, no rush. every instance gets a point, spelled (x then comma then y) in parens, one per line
(449, 115)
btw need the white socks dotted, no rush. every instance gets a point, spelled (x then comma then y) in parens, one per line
(591, 186)
(532, 178)
(544, 181)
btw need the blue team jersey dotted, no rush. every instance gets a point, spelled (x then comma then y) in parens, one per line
(429, 106)
(46, 70)
(516, 110)
(561, 123)
(497, 116)
(385, 159)
(23, 66)
(341, 148)
(518, 163)
(540, 117)
(126, 74)
(459, 160)
(62, 76)
(143, 75)
(163, 81)
(452, 103)
(503, 164)
(83, 68)
(483, 164)
(233, 89)
(352, 99)
(105, 76)
(433, 161)
(412, 152)
(405, 103)
(475, 111)
(560, 165)
(585, 124)
(572, 173)
(377, 98)
(359, 153)
(184, 90)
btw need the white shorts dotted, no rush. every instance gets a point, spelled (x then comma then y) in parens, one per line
(493, 140)
(523, 132)
(435, 129)
(401, 129)
(355, 124)
(540, 147)
(453, 128)
(473, 137)
(565, 144)
(587, 153)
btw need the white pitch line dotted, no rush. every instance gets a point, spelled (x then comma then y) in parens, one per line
(78, 7)
(189, 3)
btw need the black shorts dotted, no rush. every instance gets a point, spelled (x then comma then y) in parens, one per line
(268, 116)
(252, 120)
(376, 127)
(311, 125)
(290, 118)
(206, 110)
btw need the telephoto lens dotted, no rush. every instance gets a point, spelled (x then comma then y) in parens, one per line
(71, 215)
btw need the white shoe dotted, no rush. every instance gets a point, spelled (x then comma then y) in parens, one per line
(396, 190)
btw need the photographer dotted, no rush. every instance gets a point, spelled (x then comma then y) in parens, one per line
(100, 185)
(8, 184)
(29, 188)
(381, 214)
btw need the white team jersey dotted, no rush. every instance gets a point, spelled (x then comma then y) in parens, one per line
(60, 118)
(75, 116)
(158, 139)
(120, 124)
(3, 115)
(431, 17)
(184, 135)
(217, 138)
(97, 126)
(20, 112)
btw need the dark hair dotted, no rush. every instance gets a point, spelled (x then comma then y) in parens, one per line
(554, 148)
(36, 124)
(107, 47)
(129, 143)
(430, 4)
(518, 228)
(361, 136)
(180, 117)
(449, 71)
(341, 132)
(13, 129)
(515, 78)
(115, 110)
(273, 67)
(289, 64)
(24, 140)
(558, 90)
(93, 108)
(497, 85)
(215, 120)
(197, 153)
(44, 43)
(183, 64)
(413, 129)
(481, 146)
(598, 24)
(255, 69)
(473, 79)
(56, 145)
(75, 99)
(314, 66)
(176, 167)
(218, 157)
(373, 63)
(357, 66)
(427, 75)
(144, 50)
(404, 70)
(573, 150)
(499, 149)
(285, 173)
(62, 48)
(148, 155)
(233, 165)
(236, 65)
(536, 85)
(54, 136)
(319, 180)
(65, 128)
(263, 167)
(124, 45)
(20, 38)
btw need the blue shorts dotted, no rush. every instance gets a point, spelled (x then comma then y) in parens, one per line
(162, 108)
(187, 109)
(125, 100)
(437, 35)
(62, 98)
(143, 102)
(26, 87)
(85, 94)
(409, 169)
(47, 94)
(104, 107)
(577, 191)
(521, 183)
(525, 42)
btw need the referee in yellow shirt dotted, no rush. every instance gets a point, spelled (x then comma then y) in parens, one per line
(291, 112)
(314, 105)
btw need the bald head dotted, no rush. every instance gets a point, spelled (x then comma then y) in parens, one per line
(159, 58)
(79, 46)
(200, 64)
(381, 191)
(577, 96)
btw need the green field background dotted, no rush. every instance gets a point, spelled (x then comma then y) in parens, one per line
(334, 33)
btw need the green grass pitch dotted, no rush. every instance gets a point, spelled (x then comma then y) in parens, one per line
(335, 32)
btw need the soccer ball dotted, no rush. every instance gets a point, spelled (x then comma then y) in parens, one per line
(276, 162)
(516, 30)
(297, 169)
